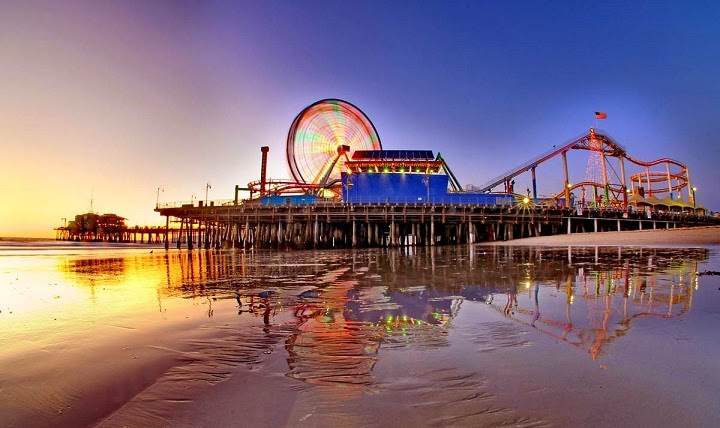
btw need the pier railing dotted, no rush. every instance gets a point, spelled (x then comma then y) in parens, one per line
(467, 201)
(449, 201)
(196, 203)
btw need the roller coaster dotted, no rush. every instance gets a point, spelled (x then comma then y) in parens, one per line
(325, 136)
(611, 189)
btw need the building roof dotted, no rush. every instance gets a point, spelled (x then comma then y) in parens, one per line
(393, 155)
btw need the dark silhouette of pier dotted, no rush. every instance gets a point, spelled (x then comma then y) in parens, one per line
(340, 225)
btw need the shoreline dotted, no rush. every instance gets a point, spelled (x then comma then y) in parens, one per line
(685, 236)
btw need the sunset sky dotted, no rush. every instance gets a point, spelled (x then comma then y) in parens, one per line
(108, 100)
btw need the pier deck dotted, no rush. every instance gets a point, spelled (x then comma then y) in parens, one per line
(339, 225)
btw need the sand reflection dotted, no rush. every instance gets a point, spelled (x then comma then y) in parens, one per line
(345, 328)
(345, 306)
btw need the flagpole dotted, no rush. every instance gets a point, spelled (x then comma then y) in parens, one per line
(599, 115)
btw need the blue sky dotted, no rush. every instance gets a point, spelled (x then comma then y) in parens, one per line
(114, 99)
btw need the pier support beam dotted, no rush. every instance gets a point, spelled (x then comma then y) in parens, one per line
(167, 229)
(180, 232)
(354, 234)
(315, 232)
(432, 230)
(190, 234)
(391, 242)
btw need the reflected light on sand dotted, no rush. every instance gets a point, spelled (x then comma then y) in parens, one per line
(338, 326)
(47, 299)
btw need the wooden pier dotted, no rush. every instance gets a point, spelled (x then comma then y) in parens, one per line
(338, 225)
(136, 234)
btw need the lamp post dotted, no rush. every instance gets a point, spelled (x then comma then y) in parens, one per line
(207, 187)
(157, 198)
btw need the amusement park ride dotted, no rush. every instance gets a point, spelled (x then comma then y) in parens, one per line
(332, 138)
(332, 146)
(608, 180)
(319, 143)
(347, 191)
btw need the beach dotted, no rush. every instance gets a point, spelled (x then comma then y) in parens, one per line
(446, 336)
(703, 235)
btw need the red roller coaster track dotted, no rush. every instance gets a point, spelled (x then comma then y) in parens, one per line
(674, 178)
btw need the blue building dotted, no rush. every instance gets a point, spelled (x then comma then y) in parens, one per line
(406, 177)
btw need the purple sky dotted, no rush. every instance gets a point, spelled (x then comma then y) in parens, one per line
(114, 99)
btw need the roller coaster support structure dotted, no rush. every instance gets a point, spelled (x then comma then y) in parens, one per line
(534, 183)
(567, 180)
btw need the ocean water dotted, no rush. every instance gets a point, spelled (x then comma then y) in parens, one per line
(133, 335)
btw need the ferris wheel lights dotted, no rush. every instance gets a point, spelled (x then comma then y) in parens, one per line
(321, 134)
(526, 200)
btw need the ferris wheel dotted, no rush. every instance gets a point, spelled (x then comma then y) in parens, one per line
(321, 137)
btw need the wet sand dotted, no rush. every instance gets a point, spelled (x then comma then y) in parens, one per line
(694, 236)
(447, 336)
